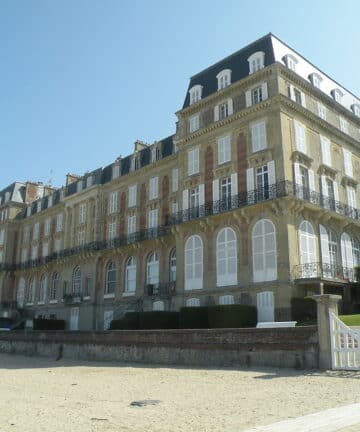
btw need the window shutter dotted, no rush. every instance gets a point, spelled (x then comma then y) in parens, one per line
(230, 107)
(324, 189)
(264, 90)
(202, 199)
(185, 204)
(325, 150)
(347, 256)
(311, 177)
(300, 138)
(216, 113)
(298, 181)
(248, 98)
(215, 191)
(348, 163)
(250, 185)
(324, 241)
(234, 184)
(303, 101)
(196, 160)
(351, 197)
(291, 92)
(272, 179)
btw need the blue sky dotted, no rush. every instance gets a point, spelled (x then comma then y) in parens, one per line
(81, 80)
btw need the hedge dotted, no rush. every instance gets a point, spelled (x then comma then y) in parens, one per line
(48, 324)
(351, 320)
(130, 321)
(159, 320)
(232, 316)
(303, 310)
(194, 317)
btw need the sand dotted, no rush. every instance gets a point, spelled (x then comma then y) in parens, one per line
(40, 394)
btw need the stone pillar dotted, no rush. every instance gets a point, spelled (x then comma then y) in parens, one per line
(326, 303)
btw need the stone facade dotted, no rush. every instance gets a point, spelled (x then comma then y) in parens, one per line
(255, 193)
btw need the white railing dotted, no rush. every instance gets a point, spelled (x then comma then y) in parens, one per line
(345, 345)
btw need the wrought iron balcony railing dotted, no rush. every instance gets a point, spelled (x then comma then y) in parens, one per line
(280, 189)
(160, 290)
(318, 270)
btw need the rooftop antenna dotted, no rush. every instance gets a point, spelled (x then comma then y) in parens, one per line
(49, 182)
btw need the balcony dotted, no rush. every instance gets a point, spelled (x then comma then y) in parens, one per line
(324, 271)
(160, 290)
(72, 298)
(278, 190)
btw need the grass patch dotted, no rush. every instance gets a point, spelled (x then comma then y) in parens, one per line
(350, 320)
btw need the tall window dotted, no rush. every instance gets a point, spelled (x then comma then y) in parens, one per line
(113, 202)
(300, 137)
(132, 196)
(225, 193)
(347, 257)
(307, 246)
(256, 61)
(82, 213)
(224, 149)
(55, 285)
(172, 266)
(111, 230)
(152, 269)
(194, 202)
(175, 179)
(154, 188)
(110, 278)
(256, 95)
(31, 291)
(193, 161)
(258, 136)
(130, 275)
(226, 258)
(131, 225)
(59, 222)
(264, 251)
(43, 289)
(76, 281)
(262, 183)
(193, 263)
(224, 78)
(194, 123)
(195, 93)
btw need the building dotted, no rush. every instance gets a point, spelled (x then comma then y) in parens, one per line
(253, 200)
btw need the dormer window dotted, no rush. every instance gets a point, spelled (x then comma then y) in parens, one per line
(290, 62)
(38, 206)
(89, 181)
(155, 154)
(135, 162)
(195, 93)
(337, 94)
(50, 201)
(7, 196)
(115, 171)
(79, 186)
(256, 62)
(224, 78)
(315, 80)
(356, 109)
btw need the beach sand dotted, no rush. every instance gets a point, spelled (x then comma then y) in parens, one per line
(41, 394)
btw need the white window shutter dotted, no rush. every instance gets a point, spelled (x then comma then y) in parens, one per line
(303, 101)
(201, 194)
(324, 189)
(250, 186)
(351, 197)
(230, 107)
(298, 181)
(300, 137)
(248, 98)
(234, 184)
(347, 256)
(216, 113)
(325, 150)
(324, 241)
(185, 204)
(291, 92)
(311, 180)
(272, 178)
(196, 160)
(264, 90)
(348, 163)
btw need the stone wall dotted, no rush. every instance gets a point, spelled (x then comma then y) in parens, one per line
(282, 347)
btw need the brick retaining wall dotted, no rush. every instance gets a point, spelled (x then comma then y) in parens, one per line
(282, 347)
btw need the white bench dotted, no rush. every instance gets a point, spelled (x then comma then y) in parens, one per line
(275, 324)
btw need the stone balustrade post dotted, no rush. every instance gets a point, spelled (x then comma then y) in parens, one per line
(326, 303)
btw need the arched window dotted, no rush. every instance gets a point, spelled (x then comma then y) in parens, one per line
(347, 257)
(264, 251)
(55, 284)
(158, 306)
(31, 291)
(43, 289)
(76, 282)
(172, 266)
(152, 270)
(329, 252)
(193, 263)
(130, 275)
(20, 298)
(193, 302)
(256, 61)
(110, 278)
(307, 246)
(226, 258)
